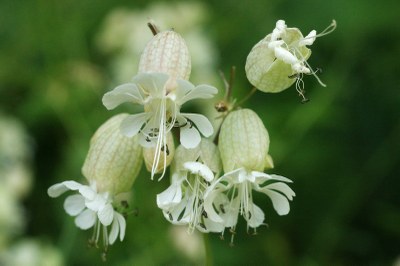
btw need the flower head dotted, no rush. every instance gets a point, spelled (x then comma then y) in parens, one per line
(162, 88)
(183, 201)
(280, 59)
(244, 144)
(111, 166)
(91, 209)
(162, 107)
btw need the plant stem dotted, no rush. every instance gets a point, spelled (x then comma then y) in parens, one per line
(207, 250)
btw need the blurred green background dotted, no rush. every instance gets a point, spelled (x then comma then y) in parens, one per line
(342, 149)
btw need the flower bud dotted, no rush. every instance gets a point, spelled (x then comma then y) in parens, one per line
(274, 61)
(207, 152)
(243, 141)
(149, 155)
(166, 53)
(113, 161)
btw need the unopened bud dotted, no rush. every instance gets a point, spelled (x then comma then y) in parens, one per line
(166, 52)
(113, 161)
(243, 141)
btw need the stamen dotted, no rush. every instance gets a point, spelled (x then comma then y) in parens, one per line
(326, 31)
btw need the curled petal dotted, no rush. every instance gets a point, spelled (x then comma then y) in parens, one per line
(124, 93)
(169, 197)
(74, 204)
(283, 188)
(208, 206)
(86, 219)
(261, 177)
(256, 216)
(58, 189)
(114, 232)
(200, 169)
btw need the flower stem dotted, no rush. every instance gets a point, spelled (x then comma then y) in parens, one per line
(207, 250)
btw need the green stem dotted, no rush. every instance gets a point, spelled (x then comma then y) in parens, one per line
(207, 250)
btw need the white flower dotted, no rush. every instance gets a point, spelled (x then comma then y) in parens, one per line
(280, 59)
(183, 202)
(92, 209)
(231, 195)
(162, 98)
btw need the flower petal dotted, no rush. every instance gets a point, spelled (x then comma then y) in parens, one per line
(118, 226)
(112, 236)
(256, 216)
(86, 219)
(74, 204)
(262, 177)
(58, 189)
(190, 137)
(132, 124)
(152, 83)
(210, 200)
(200, 169)
(190, 92)
(122, 225)
(106, 214)
(202, 123)
(169, 197)
(87, 192)
(280, 202)
(128, 92)
(283, 188)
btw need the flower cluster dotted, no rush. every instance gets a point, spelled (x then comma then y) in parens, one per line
(211, 180)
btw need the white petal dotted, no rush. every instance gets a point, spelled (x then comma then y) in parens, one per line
(124, 93)
(200, 169)
(230, 217)
(152, 83)
(285, 55)
(86, 219)
(189, 137)
(199, 92)
(257, 216)
(106, 214)
(131, 125)
(262, 177)
(208, 206)
(74, 204)
(88, 192)
(112, 236)
(97, 203)
(118, 226)
(283, 188)
(280, 202)
(169, 197)
(58, 189)
(212, 226)
(202, 124)
(309, 39)
(122, 225)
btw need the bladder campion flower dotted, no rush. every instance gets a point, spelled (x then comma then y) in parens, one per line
(280, 59)
(183, 201)
(244, 143)
(161, 87)
(111, 166)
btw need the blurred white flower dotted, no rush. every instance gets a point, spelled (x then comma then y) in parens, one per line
(92, 209)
